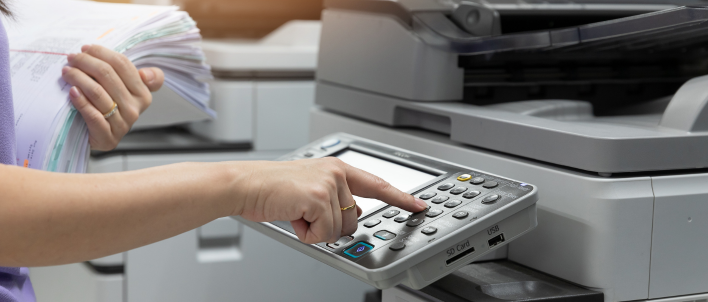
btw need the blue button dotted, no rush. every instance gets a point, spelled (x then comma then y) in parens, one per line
(330, 143)
(358, 249)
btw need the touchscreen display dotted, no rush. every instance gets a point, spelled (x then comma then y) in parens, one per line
(401, 177)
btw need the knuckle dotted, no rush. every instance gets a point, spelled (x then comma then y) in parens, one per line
(131, 114)
(321, 193)
(104, 70)
(122, 60)
(95, 92)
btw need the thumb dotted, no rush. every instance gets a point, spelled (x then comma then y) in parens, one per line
(152, 77)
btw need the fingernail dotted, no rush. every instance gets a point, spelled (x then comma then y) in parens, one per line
(148, 75)
(65, 69)
(421, 203)
(85, 48)
(70, 57)
(74, 92)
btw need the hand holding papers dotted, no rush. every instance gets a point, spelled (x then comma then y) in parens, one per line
(51, 135)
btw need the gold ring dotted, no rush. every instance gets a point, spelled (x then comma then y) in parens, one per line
(349, 207)
(112, 112)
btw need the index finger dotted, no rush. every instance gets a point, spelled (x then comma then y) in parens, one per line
(367, 185)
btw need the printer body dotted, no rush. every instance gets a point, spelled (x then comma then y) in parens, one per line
(602, 104)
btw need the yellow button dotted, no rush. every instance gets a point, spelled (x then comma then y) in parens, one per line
(464, 177)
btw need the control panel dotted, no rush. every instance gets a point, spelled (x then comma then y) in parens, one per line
(469, 214)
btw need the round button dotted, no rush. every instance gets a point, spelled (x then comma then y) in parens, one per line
(446, 186)
(453, 203)
(440, 199)
(391, 213)
(415, 222)
(434, 213)
(491, 198)
(464, 177)
(400, 219)
(490, 184)
(330, 143)
(397, 246)
(372, 223)
(427, 195)
(429, 230)
(471, 194)
(477, 180)
(461, 215)
(458, 190)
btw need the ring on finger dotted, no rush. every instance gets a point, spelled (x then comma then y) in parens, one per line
(112, 111)
(349, 207)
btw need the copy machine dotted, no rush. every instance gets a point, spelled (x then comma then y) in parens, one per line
(256, 84)
(602, 104)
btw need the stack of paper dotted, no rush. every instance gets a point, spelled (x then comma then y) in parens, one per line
(51, 135)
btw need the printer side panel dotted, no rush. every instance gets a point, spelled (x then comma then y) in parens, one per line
(679, 256)
(380, 54)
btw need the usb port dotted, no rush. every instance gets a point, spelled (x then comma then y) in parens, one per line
(459, 256)
(498, 239)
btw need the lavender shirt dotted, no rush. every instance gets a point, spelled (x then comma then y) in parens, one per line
(15, 285)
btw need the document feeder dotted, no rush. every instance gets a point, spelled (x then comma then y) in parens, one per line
(470, 213)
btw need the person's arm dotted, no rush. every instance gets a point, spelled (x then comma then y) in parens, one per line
(51, 218)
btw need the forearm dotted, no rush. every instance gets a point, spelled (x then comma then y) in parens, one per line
(50, 218)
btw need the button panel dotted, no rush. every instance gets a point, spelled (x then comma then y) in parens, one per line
(397, 229)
